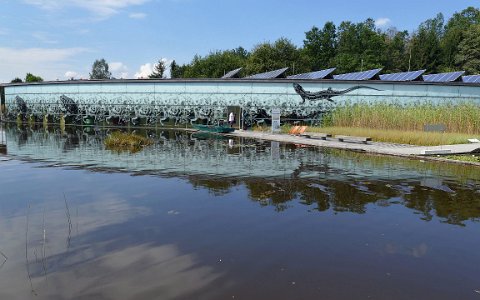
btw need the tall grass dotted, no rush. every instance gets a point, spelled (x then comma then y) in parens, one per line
(410, 137)
(457, 117)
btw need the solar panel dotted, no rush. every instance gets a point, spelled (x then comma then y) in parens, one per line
(232, 74)
(268, 75)
(365, 75)
(403, 76)
(471, 79)
(443, 77)
(313, 75)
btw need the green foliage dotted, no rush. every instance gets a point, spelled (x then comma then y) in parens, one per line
(455, 31)
(468, 56)
(320, 46)
(174, 70)
(100, 70)
(32, 78)
(267, 57)
(395, 56)
(16, 80)
(216, 64)
(425, 45)
(158, 71)
(360, 47)
(177, 71)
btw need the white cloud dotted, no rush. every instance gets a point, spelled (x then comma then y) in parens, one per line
(46, 4)
(118, 69)
(382, 22)
(145, 71)
(49, 63)
(117, 66)
(44, 37)
(71, 74)
(101, 8)
(137, 16)
(148, 68)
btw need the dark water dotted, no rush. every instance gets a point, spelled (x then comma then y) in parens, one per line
(197, 218)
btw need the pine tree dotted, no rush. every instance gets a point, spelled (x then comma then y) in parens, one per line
(158, 70)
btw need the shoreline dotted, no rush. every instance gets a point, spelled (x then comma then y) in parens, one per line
(376, 148)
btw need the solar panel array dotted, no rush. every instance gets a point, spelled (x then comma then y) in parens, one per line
(232, 73)
(443, 77)
(268, 75)
(403, 76)
(365, 75)
(313, 75)
(471, 79)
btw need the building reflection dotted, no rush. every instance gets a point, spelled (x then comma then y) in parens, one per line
(274, 174)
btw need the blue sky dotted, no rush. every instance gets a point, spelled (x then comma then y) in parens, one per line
(57, 39)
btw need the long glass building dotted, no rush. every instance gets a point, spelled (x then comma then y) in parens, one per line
(185, 101)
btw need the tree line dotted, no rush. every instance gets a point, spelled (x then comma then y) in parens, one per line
(436, 45)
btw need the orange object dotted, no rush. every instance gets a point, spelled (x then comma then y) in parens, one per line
(302, 129)
(294, 130)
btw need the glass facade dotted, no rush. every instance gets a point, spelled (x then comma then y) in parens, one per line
(208, 101)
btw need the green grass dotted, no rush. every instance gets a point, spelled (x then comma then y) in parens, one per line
(466, 158)
(460, 117)
(120, 141)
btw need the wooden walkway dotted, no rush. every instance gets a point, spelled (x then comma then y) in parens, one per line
(370, 147)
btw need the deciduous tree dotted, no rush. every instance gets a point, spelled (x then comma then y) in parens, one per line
(468, 57)
(32, 78)
(215, 64)
(455, 31)
(320, 46)
(283, 53)
(425, 45)
(360, 47)
(100, 70)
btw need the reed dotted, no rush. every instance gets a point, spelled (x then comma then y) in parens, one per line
(121, 141)
(410, 137)
(457, 117)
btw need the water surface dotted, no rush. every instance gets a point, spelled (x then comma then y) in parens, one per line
(195, 217)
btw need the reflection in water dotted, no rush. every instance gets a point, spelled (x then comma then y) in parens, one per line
(274, 173)
(229, 218)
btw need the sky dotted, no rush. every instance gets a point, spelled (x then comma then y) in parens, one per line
(60, 39)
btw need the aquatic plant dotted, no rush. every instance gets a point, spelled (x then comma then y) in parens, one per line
(121, 141)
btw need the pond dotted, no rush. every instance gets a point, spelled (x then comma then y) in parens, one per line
(205, 217)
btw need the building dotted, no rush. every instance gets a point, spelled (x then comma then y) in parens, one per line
(180, 102)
